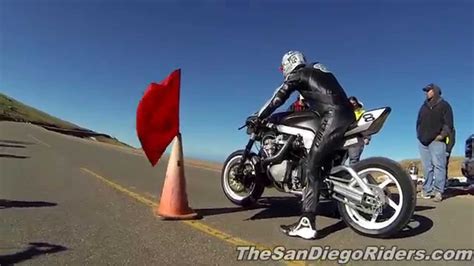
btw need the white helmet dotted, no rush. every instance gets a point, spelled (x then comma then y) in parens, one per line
(291, 60)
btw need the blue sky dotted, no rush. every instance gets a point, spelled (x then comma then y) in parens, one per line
(90, 61)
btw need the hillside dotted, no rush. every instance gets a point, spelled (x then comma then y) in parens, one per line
(13, 110)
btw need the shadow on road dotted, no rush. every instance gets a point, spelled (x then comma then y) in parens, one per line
(278, 207)
(322, 233)
(35, 249)
(455, 192)
(16, 142)
(217, 211)
(273, 207)
(11, 146)
(417, 226)
(11, 156)
(5, 204)
(423, 208)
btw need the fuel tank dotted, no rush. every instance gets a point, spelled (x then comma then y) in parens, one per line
(308, 120)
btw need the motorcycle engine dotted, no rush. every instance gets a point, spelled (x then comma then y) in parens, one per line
(278, 171)
(271, 145)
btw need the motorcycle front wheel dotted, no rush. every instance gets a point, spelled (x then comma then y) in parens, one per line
(240, 193)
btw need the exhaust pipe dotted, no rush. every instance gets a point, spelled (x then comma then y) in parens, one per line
(277, 158)
(292, 191)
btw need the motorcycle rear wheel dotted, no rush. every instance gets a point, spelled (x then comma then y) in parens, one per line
(396, 179)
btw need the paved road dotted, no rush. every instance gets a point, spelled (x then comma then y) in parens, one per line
(68, 201)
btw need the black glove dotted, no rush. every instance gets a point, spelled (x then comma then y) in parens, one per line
(252, 120)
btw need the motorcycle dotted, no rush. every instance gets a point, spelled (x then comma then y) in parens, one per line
(375, 197)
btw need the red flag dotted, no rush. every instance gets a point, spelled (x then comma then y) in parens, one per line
(158, 116)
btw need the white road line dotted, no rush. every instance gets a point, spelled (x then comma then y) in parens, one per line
(39, 141)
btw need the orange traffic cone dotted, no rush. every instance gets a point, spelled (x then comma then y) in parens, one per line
(174, 201)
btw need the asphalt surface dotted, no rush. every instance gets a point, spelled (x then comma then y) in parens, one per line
(68, 201)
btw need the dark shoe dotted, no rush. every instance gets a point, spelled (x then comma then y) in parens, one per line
(304, 228)
(438, 197)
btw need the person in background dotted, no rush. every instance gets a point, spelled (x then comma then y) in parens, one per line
(299, 105)
(355, 150)
(433, 126)
(358, 107)
(413, 170)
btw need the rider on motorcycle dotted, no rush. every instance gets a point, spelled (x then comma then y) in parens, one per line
(325, 96)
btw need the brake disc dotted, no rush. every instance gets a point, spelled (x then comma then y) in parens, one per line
(234, 182)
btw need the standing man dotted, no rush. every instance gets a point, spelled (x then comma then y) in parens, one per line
(434, 124)
(355, 150)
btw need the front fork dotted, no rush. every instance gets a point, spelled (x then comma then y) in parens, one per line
(247, 150)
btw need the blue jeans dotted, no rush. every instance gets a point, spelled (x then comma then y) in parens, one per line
(433, 158)
(355, 151)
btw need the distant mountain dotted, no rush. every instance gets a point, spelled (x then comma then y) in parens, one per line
(13, 110)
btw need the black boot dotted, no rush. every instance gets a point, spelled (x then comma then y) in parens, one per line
(304, 228)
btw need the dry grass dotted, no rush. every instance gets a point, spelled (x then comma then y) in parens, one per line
(454, 168)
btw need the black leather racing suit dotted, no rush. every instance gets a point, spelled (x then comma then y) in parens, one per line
(325, 96)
